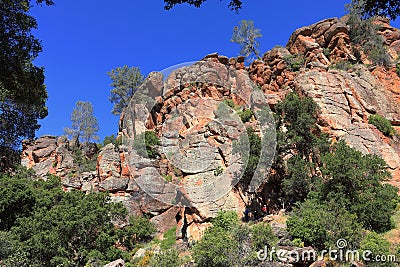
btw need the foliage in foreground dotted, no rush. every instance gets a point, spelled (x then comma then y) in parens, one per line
(168, 258)
(23, 94)
(41, 225)
(350, 195)
(228, 243)
(380, 249)
(338, 191)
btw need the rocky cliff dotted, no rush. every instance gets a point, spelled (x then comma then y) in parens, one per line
(346, 100)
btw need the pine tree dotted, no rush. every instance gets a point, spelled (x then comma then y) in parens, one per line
(84, 123)
(125, 82)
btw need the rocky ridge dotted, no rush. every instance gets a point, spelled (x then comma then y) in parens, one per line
(346, 99)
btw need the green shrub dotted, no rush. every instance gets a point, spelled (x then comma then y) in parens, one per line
(245, 115)
(262, 235)
(398, 69)
(144, 144)
(327, 52)
(112, 139)
(363, 32)
(49, 227)
(228, 243)
(294, 62)
(169, 239)
(355, 181)
(342, 65)
(230, 103)
(218, 171)
(320, 224)
(139, 230)
(382, 124)
(168, 258)
(378, 53)
(226, 220)
(379, 246)
(83, 163)
(216, 248)
(167, 178)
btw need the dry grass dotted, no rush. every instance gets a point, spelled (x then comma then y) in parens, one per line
(393, 236)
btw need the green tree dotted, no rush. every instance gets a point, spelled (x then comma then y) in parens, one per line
(254, 157)
(298, 116)
(233, 4)
(321, 224)
(139, 230)
(356, 180)
(72, 231)
(228, 243)
(125, 82)
(43, 226)
(22, 91)
(215, 248)
(363, 32)
(262, 235)
(84, 123)
(245, 35)
(379, 246)
(17, 197)
(40, 225)
(298, 182)
(297, 139)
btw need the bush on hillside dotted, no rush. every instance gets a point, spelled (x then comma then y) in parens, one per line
(382, 124)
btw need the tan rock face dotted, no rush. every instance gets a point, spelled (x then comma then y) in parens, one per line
(197, 136)
(346, 101)
(51, 155)
(40, 155)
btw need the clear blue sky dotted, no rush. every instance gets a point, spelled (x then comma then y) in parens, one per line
(84, 39)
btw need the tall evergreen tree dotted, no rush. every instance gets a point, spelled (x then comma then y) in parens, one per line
(84, 123)
(22, 91)
(245, 35)
(125, 82)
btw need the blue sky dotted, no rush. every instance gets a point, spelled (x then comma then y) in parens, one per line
(84, 39)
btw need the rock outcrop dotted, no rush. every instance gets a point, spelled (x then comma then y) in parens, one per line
(117, 263)
(346, 100)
